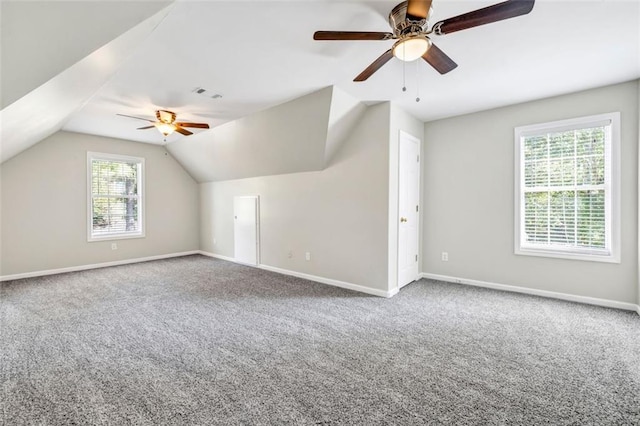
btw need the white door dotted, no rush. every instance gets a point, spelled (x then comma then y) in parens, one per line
(245, 229)
(408, 208)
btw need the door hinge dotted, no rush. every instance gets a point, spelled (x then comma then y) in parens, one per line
(416, 208)
(418, 159)
(416, 257)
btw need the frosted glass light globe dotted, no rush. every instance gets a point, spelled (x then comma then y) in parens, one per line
(411, 48)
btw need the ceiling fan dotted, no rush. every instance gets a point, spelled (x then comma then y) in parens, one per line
(166, 123)
(411, 30)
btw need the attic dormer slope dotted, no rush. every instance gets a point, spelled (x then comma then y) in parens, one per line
(35, 111)
(297, 136)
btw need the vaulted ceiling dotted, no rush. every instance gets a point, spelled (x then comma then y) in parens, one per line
(257, 54)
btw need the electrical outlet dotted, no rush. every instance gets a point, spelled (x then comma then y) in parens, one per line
(307, 256)
(214, 242)
(114, 246)
(290, 254)
(445, 256)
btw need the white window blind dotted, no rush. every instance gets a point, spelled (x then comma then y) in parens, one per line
(565, 189)
(115, 196)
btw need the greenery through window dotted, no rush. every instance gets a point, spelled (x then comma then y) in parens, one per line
(115, 196)
(565, 188)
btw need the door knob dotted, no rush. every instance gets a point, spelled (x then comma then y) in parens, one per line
(403, 219)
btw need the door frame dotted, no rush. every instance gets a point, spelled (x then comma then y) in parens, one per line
(402, 134)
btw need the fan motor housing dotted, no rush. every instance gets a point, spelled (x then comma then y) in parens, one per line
(399, 23)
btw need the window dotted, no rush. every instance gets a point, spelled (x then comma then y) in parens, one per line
(567, 186)
(115, 189)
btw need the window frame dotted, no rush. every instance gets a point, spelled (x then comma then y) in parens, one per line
(141, 197)
(612, 189)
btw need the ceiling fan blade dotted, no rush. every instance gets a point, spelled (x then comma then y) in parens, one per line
(145, 127)
(351, 35)
(375, 66)
(183, 131)
(137, 118)
(439, 60)
(194, 125)
(487, 15)
(418, 10)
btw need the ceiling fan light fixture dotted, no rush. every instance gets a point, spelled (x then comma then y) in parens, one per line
(165, 116)
(165, 128)
(411, 48)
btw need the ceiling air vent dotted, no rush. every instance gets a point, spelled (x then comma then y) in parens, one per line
(207, 93)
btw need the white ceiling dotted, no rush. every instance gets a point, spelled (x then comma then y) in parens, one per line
(258, 54)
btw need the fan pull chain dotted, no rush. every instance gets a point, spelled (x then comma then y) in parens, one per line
(404, 72)
(417, 82)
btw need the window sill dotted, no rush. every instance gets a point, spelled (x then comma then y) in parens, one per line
(115, 237)
(567, 255)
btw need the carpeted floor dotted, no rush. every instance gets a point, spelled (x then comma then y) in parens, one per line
(195, 340)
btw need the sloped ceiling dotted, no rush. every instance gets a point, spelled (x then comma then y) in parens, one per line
(41, 39)
(259, 54)
(298, 136)
(44, 110)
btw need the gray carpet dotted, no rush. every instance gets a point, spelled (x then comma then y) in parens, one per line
(195, 340)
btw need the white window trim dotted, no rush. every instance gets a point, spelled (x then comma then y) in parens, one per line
(612, 215)
(141, 191)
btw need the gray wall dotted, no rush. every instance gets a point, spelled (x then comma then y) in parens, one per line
(469, 198)
(44, 206)
(339, 214)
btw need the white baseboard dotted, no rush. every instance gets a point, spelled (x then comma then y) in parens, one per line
(315, 278)
(218, 256)
(543, 293)
(329, 281)
(94, 266)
